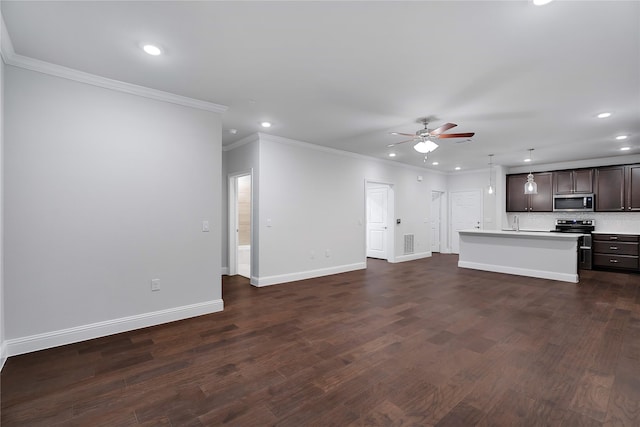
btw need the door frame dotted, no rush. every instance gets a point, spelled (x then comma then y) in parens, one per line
(442, 212)
(233, 222)
(391, 253)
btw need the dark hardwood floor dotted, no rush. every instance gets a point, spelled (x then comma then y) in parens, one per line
(419, 343)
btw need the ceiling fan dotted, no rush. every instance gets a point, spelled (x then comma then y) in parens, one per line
(423, 137)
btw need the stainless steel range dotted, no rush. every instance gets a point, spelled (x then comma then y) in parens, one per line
(584, 227)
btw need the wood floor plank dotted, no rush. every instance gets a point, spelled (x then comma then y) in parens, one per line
(419, 343)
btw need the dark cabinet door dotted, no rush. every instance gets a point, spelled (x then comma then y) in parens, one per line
(543, 201)
(563, 182)
(583, 181)
(610, 189)
(573, 181)
(517, 201)
(633, 187)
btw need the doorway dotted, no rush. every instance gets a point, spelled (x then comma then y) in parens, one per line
(437, 198)
(379, 211)
(240, 201)
(466, 213)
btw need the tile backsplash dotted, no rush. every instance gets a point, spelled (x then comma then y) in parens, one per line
(609, 222)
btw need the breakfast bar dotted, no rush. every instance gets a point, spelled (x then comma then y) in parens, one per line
(545, 255)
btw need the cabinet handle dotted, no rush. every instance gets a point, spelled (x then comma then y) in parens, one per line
(613, 260)
(613, 247)
(613, 237)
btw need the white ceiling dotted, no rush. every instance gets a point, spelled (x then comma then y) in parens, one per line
(345, 74)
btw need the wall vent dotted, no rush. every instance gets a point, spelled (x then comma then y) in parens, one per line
(408, 243)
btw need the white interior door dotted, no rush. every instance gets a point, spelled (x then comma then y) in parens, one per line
(436, 209)
(466, 213)
(377, 222)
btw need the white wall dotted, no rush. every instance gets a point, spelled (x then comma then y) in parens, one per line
(312, 200)
(479, 180)
(103, 192)
(2, 310)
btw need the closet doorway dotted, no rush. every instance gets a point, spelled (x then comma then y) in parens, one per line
(240, 225)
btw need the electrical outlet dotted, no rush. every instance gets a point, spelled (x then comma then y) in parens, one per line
(327, 253)
(205, 226)
(155, 285)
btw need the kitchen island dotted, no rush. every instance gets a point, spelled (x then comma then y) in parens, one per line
(545, 255)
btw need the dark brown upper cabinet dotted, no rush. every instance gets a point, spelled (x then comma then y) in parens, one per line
(573, 181)
(618, 188)
(517, 201)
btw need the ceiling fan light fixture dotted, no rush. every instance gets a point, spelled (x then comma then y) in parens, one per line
(541, 2)
(425, 146)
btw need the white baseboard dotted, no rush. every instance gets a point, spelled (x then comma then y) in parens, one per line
(563, 277)
(302, 275)
(411, 257)
(37, 342)
(224, 271)
(3, 354)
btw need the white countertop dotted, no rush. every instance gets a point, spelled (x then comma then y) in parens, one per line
(523, 233)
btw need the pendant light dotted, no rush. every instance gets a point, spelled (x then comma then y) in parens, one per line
(490, 190)
(530, 187)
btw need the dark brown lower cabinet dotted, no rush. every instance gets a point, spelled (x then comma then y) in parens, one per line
(619, 251)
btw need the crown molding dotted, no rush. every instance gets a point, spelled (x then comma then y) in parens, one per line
(6, 47)
(94, 80)
(287, 141)
(11, 58)
(246, 140)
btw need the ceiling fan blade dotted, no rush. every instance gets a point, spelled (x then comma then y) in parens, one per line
(401, 142)
(404, 134)
(456, 135)
(444, 127)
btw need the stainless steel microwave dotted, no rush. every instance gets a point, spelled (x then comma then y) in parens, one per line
(574, 203)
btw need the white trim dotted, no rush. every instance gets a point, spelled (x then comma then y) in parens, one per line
(246, 140)
(303, 275)
(563, 277)
(287, 141)
(622, 159)
(6, 47)
(45, 340)
(411, 257)
(10, 57)
(92, 79)
(3, 354)
(224, 271)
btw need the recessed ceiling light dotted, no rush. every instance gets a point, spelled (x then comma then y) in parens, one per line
(458, 168)
(625, 148)
(152, 49)
(392, 154)
(435, 163)
(541, 2)
(233, 131)
(527, 160)
(604, 115)
(265, 124)
(621, 137)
